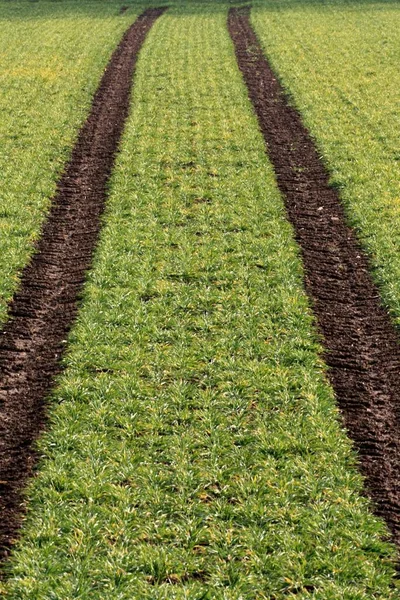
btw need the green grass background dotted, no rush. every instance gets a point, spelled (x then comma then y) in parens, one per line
(194, 448)
(52, 56)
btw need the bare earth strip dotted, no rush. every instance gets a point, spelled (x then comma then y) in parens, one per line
(42, 312)
(362, 345)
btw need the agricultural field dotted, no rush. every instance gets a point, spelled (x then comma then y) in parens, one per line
(194, 447)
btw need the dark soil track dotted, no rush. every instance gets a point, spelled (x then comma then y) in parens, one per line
(362, 345)
(43, 310)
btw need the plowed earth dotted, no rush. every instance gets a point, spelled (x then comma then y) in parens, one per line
(43, 310)
(362, 347)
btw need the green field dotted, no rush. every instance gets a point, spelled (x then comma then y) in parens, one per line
(194, 449)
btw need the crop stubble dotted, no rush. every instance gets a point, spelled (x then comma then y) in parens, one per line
(45, 306)
(362, 348)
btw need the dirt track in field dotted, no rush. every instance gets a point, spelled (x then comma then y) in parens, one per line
(43, 310)
(362, 347)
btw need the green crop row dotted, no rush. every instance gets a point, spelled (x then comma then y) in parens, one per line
(195, 449)
(52, 56)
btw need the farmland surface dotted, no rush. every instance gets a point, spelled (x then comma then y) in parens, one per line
(194, 448)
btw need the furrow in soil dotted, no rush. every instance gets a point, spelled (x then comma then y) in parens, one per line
(42, 312)
(362, 346)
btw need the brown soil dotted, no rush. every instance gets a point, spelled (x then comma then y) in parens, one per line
(43, 310)
(362, 347)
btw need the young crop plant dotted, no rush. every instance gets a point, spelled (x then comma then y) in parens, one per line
(52, 56)
(195, 449)
(339, 63)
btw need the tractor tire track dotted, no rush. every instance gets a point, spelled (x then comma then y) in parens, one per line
(362, 346)
(43, 310)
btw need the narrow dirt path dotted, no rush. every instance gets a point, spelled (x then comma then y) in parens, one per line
(362, 345)
(42, 312)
